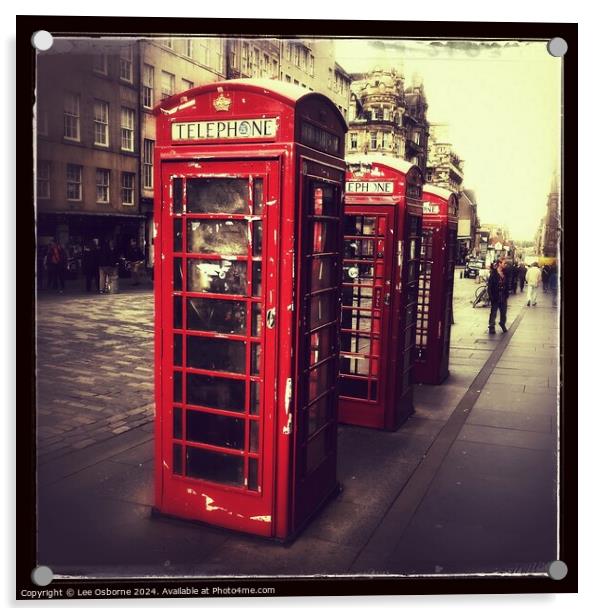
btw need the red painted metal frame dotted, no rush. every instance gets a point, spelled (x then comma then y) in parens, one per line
(395, 400)
(289, 495)
(432, 359)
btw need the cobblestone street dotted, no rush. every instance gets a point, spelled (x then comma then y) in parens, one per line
(94, 368)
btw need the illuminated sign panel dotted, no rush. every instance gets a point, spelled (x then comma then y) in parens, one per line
(224, 129)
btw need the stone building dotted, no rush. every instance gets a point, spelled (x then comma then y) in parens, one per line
(551, 233)
(96, 133)
(444, 166)
(468, 225)
(376, 114)
(416, 124)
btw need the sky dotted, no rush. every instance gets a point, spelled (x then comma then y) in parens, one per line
(503, 108)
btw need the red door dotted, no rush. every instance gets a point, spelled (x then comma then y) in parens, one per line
(367, 267)
(218, 286)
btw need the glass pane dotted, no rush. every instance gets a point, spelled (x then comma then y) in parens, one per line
(320, 345)
(319, 379)
(252, 474)
(177, 349)
(254, 436)
(256, 320)
(324, 203)
(254, 410)
(177, 423)
(217, 195)
(215, 392)
(255, 358)
(177, 312)
(325, 237)
(257, 279)
(213, 466)
(216, 315)
(177, 274)
(215, 429)
(177, 386)
(318, 414)
(360, 225)
(323, 273)
(216, 354)
(222, 237)
(228, 277)
(321, 309)
(257, 238)
(177, 195)
(177, 459)
(177, 235)
(354, 388)
(258, 197)
(316, 451)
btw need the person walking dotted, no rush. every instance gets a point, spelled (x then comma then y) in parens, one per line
(90, 257)
(108, 262)
(553, 282)
(533, 278)
(545, 277)
(135, 259)
(522, 272)
(514, 284)
(56, 262)
(498, 287)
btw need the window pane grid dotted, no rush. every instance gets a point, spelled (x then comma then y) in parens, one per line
(127, 129)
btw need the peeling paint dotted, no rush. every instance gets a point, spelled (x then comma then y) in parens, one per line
(287, 403)
(272, 202)
(165, 464)
(191, 491)
(261, 518)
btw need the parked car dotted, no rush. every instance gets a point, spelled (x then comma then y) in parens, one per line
(473, 267)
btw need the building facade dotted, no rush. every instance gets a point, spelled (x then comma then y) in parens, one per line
(416, 124)
(468, 225)
(444, 166)
(551, 234)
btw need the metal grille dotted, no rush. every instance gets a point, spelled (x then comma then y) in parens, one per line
(424, 286)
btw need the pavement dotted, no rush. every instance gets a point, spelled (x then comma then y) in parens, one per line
(467, 484)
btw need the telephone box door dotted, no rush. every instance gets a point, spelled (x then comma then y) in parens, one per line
(219, 288)
(368, 258)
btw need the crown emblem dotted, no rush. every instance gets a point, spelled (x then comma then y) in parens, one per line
(222, 103)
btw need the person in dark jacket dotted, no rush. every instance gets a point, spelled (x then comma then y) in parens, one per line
(90, 258)
(545, 277)
(522, 273)
(108, 262)
(515, 275)
(498, 287)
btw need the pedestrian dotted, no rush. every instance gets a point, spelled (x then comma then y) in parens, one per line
(545, 277)
(90, 267)
(56, 262)
(135, 259)
(553, 282)
(533, 278)
(108, 262)
(522, 272)
(498, 287)
(515, 276)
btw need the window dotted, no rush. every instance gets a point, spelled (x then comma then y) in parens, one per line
(101, 123)
(245, 57)
(304, 59)
(288, 78)
(102, 185)
(373, 140)
(71, 117)
(148, 84)
(127, 188)
(353, 139)
(169, 43)
(275, 69)
(296, 82)
(204, 52)
(43, 180)
(256, 67)
(378, 113)
(99, 63)
(187, 85)
(297, 55)
(74, 183)
(330, 79)
(311, 65)
(289, 51)
(147, 163)
(188, 48)
(127, 129)
(168, 84)
(125, 64)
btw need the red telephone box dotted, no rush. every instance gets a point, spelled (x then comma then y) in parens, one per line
(436, 284)
(248, 214)
(382, 233)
